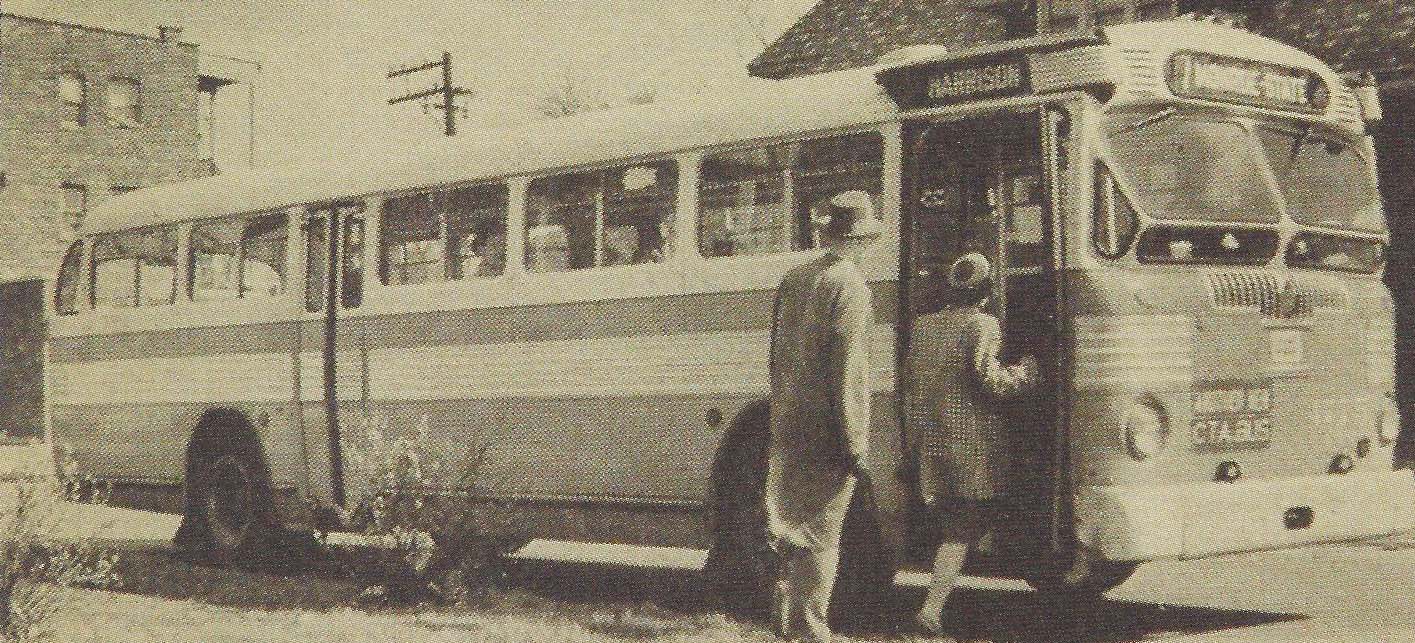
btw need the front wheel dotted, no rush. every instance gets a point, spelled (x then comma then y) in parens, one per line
(1066, 577)
(229, 508)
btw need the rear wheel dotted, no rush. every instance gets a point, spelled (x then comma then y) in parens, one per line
(230, 508)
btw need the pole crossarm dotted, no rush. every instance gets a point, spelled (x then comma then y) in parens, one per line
(408, 70)
(436, 91)
(446, 91)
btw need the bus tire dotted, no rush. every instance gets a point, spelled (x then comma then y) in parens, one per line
(1050, 578)
(741, 566)
(228, 515)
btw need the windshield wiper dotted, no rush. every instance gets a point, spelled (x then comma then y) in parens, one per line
(1147, 121)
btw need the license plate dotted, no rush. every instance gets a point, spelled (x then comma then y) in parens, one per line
(1232, 431)
(1231, 415)
(1286, 346)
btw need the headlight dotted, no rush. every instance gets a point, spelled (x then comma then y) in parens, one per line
(1146, 429)
(1387, 422)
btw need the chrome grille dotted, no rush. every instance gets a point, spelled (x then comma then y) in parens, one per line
(1262, 290)
(1145, 77)
(1245, 290)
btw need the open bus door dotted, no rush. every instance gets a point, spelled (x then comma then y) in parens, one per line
(987, 184)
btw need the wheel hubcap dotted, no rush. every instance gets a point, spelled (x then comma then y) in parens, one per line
(229, 501)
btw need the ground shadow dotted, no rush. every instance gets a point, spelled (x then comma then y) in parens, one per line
(642, 604)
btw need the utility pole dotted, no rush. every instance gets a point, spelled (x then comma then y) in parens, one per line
(446, 90)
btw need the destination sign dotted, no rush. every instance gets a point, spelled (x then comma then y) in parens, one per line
(948, 83)
(1235, 80)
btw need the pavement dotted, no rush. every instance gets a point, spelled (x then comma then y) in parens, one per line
(1357, 593)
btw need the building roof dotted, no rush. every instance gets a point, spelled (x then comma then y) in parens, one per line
(762, 109)
(839, 34)
(73, 25)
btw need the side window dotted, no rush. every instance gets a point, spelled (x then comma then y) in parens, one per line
(741, 202)
(828, 166)
(433, 236)
(135, 268)
(66, 294)
(560, 221)
(639, 203)
(412, 240)
(215, 272)
(114, 271)
(743, 198)
(263, 255)
(351, 277)
(157, 266)
(316, 261)
(476, 232)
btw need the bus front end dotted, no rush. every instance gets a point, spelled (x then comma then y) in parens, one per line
(1233, 340)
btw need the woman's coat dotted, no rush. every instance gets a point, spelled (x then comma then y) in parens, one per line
(956, 431)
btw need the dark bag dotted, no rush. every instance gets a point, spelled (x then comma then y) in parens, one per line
(864, 586)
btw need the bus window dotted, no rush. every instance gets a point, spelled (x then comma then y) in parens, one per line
(316, 262)
(741, 203)
(157, 267)
(639, 203)
(66, 295)
(214, 247)
(114, 271)
(351, 254)
(412, 240)
(742, 199)
(827, 166)
(632, 207)
(263, 256)
(135, 268)
(476, 232)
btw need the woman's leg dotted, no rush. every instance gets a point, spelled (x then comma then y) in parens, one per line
(948, 561)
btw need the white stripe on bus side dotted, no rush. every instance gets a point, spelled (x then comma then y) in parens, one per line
(680, 364)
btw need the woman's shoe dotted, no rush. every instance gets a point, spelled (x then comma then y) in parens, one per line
(930, 621)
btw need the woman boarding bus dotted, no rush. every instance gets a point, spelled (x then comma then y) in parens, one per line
(1188, 241)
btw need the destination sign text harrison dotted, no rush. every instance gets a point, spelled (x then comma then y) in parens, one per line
(940, 84)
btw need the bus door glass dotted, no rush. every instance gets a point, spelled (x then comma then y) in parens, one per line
(331, 363)
(982, 185)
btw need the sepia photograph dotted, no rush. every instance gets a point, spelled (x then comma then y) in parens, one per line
(675, 321)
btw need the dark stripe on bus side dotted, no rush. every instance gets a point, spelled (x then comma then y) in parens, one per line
(710, 312)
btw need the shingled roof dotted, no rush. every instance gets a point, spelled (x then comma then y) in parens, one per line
(840, 34)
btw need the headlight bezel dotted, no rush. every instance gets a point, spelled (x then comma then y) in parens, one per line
(1145, 428)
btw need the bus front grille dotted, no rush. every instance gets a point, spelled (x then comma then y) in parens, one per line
(1262, 290)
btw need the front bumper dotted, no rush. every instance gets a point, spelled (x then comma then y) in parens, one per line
(1204, 519)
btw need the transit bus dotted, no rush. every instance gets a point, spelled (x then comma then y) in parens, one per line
(1184, 218)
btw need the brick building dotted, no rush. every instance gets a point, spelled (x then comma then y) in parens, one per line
(85, 113)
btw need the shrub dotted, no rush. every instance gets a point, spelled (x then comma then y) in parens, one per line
(44, 553)
(433, 534)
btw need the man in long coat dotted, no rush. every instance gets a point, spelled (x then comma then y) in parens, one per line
(820, 410)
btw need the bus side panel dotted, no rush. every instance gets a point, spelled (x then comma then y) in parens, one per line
(127, 405)
(591, 414)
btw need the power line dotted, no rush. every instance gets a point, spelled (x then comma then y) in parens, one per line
(446, 90)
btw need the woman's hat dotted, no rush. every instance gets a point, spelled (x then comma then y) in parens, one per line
(969, 272)
(848, 215)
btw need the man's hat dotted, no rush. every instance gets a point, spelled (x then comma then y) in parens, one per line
(969, 272)
(848, 215)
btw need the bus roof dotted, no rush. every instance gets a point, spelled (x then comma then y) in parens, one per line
(759, 109)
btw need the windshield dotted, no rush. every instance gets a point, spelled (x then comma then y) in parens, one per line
(1183, 168)
(1324, 180)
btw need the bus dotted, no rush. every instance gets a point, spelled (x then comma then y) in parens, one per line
(1183, 217)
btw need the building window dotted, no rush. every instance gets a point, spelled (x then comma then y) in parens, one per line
(124, 102)
(239, 257)
(135, 268)
(609, 217)
(73, 98)
(757, 200)
(75, 203)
